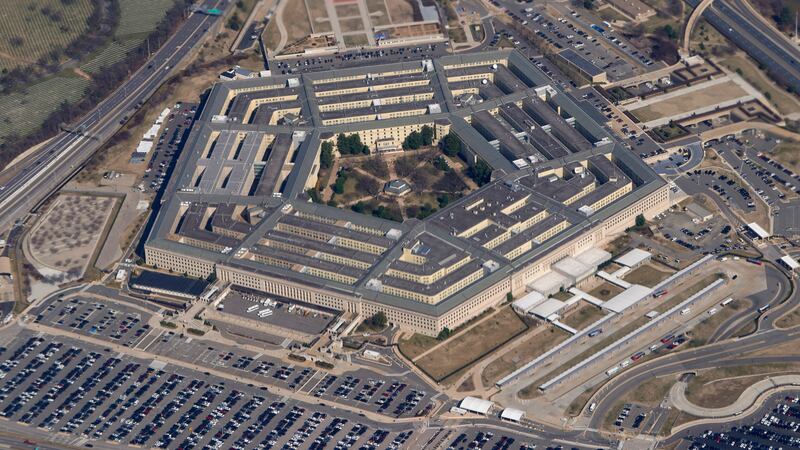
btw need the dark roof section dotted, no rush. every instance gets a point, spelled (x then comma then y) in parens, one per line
(157, 281)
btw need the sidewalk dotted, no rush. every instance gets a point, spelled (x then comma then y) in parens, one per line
(677, 396)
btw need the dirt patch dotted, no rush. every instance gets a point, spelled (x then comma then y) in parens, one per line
(583, 316)
(401, 11)
(716, 388)
(540, 340)
(646, 275)
(689, 101)
(606, 291)
(350, 10)
(469, 346)
(67, 235)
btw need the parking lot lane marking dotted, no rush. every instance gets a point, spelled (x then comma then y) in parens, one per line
(313, 375)
(156, 339)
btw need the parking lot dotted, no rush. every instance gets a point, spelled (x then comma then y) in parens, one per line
(582, 34)
(167, 149)
(729, 190)
(277, 311)
(358, 57)
(65, 386)
(87, 315)
(73, 388)
(684, 229)
(768, 182)
(777, 427)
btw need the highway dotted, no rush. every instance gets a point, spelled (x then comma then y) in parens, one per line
(738, 23)
(50, 166)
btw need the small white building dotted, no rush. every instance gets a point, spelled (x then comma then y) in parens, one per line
(476, 405)
(512, 415)
(548, 310)
(634, 258)
(757, 230)
(525, 304)
(549, 283)
(789, 262)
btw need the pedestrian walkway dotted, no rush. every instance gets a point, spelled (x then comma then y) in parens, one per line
(748, 398)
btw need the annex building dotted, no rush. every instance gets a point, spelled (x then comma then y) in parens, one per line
(237, 205)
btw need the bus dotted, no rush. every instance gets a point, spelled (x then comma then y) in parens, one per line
(754, 261)
(726, 302)
(763, 308)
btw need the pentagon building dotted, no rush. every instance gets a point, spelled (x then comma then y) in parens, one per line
(236, 203)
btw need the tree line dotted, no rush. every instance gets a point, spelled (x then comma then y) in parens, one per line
(105, 81)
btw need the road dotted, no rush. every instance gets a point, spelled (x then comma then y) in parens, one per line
(738, 23)
(51, 165)
(719, 354)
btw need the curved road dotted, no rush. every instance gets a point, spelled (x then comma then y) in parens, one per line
(50, 166)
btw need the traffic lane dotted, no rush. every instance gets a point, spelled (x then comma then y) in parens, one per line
(64, 140)
(675, 362)
(769, 296)
(109, 126)
(750, 40)
(770, 31)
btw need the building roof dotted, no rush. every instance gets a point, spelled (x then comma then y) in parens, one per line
(633, 258)
(549, 282)
(547, 308)
(514, 415)
(756, 228)
(698, 210)
(528, 301)
(790, 262)
(476, 405)
(593, 257)
(294, 164)
(580, 62)
(627, 298)
(171, 283)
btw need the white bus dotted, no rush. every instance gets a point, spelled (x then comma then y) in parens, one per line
(726, 302)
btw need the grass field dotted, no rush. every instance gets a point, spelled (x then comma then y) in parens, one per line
(606, 291)
(356, 40)
(349, 25)
(785, 102)
(689, 101)
(138, 18)
(23, 111)
(30, 30)
(378, 13)
(788, 154)
(583, 316)
(685, 293)
(532, 389)
(467, 347)
(720, 387)
(646, 275)
(705, 329)
(416, 345)
(539, 341)
(297, 23)
(401, 11)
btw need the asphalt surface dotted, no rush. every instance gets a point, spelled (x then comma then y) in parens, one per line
(720, 354)
(761, 43)
(66, 152)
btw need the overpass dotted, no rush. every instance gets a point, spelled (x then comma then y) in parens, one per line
(693, 18)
